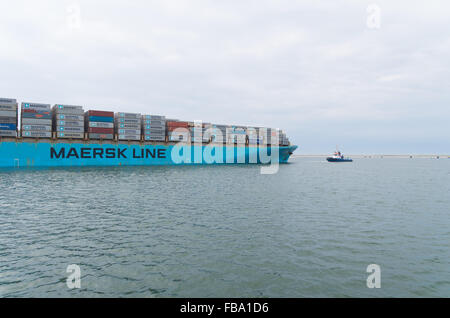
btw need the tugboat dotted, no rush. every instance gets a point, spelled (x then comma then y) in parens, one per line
(338, 157)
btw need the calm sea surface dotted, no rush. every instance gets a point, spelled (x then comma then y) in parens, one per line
(310, 230)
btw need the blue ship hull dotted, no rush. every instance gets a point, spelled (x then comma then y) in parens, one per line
(60, 153)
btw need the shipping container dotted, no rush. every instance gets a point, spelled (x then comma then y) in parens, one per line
(70, 117)
(37, 127)
(37, 111)
(36, 106)
(178, 138)
(149, 126)
(8, 133)
(8, 126)
(98, 130)
(77, 112)
(7, 113)
(5, 107)
(154, 117)
(154, 130)
(125, 120)
(34, 121)
(4, 100)
(129, 131)
(154, 134)
(101, 136)
(101, 119)
(217, 139)
(160, 131)
(236, 138)
(100, 124)
(129, 115)
(68, 108)
(36, 134)
(177, 124)
(70, 123)
(73, 135)
(8, 120)
(129, 137)
(71, 129)
(129, 126)
(177, 130)
(37, 115)
(154, 122)
(154, 138)
(100, 113)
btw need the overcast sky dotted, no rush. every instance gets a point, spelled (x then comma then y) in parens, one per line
(326, 72)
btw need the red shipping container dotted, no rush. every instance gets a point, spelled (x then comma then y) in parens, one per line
(97, 130)
(100, 113)
(173, 128)
(177, 124)
(34, 111)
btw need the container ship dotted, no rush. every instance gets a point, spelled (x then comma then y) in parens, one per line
(41, 135)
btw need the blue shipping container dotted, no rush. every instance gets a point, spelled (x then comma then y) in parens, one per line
(8, 126)
(101, 119)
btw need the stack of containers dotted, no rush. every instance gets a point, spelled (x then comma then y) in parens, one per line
(178, 135)
(271, 136)
(207, 132)
(36, 120)
(284, 141)
(196, 132)
(253, 137)
(8, 117)
(219, 133)
(128, 126)
(264, 133)
(154, 127)
(68, 121)
(99, 124)
(237, 135)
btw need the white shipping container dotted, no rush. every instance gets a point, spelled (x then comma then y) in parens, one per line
(36, 134)
(129, 137)
(37, 127)
(8, 107)
(128, 115)
(96, 124)
(35, 121)
(74, 135)
(7, 113)
(4, 100)
(36, 106)
(154, 138)
(8, 133)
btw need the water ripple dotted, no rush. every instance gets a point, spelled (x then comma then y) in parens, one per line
(227, 231)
